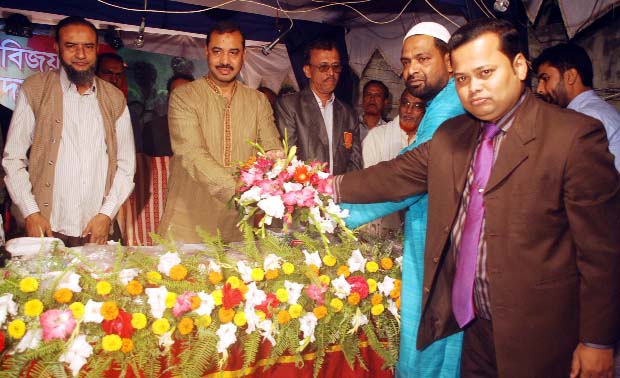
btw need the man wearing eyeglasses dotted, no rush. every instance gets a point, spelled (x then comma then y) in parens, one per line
(321, 126)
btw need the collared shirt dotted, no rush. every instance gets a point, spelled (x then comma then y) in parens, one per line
(364, 129)
(481, 282)
(384, 143)
(590, 104)
(80, 173)
(327, 112)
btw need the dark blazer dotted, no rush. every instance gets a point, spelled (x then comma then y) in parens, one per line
(552, 231)
(300, 115)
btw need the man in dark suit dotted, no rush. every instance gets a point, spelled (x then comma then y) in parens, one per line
(321, 126)
(542, 226)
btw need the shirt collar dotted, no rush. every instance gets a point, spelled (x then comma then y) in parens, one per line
(217, 89)
(318, 100)
(583, 96)
(66, 84)
(507, 119)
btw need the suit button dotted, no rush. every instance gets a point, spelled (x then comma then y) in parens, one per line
(46, 204)
(53, 140)
(446, 230)
(426, 290)
(435, 260)
(47, 184)
(50, 162)
(57, 121)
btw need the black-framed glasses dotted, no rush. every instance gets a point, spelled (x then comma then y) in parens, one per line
(324, 67)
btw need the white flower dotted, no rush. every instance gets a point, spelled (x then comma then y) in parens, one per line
(323, 175)
(399, 261)
(335, 210)
(76, 354)
(92, 312)
(244, 271)
(214, 267)
(207, 304)
(250, 196)
(167, 261)
(70, 281)
(165, 340)
(7, 306)
(226, 335)
(127, 275)
(31, 340)
(272, 262)
(313, 258)
(292, 187)
(294, 291)
(202, 268)
(307, 324)
(252, 320)
(157, 300)
(272, 206)
(386, 286)
(274, 172)
(358, 320)
(393, 309)
(323, 224)
(356, 262)
(341, 287)
(267, 331)
(254, 296)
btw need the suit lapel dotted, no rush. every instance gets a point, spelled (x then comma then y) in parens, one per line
(337, 126)
(462, 154)
(314, 116)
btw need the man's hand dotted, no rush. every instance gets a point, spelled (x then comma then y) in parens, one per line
(37, 225)
(592, 362)
(98, 228)
(275, 154)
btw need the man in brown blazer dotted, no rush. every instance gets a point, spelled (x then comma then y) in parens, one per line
(321, 126)
(546, 291)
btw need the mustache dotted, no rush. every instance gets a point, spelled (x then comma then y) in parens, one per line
(225, 66)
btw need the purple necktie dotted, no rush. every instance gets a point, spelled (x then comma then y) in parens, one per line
(462, 288)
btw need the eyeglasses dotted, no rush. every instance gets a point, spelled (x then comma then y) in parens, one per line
(336, 67)
(415, 105)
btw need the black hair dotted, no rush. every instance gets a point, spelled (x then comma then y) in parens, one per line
(226, 26)
(108, 55)
(178, 76)
(386, 91)
(319, 44)
(509, 42)
(564, 57)
(74, 20)
(441, 46)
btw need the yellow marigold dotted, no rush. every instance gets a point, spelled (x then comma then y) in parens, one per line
(243, 288)
(372, 266)
(283, 317)
(272, 274)
(240, 319)
(153, 277)
(395, 293)
(336, 304)
(134, 287)
(325, 280)
(217, 297)
(343, 270)
(63, 295)
(104, 288)
(186, 326)
(138, 320)
(387, 263)
(178, 272)
(377, 309)
(160, 326)
(33, 307)
(204, 321)
(17, 328)
(288, 268)
(195, 301)
(127, 345)
(372, 285)
(258, 274)
(319, 312)
(261, 315)
(376, 299)
(28, 284)
(354, 299)
(295, 310)
(171, 299)
(77, 308)
(109, 310)
(234, 282)
(282, 295)
(215, 277)
(111, 343)
(225, 314)
(314, 268)
(329, 260)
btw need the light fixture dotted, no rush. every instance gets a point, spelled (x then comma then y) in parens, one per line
(501, 5)
(19, 25)
(139, 42)
(113, 38)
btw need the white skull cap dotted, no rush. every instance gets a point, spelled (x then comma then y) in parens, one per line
(429, 28)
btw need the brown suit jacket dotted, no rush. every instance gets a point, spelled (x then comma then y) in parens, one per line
(300, 115)
(552, 220)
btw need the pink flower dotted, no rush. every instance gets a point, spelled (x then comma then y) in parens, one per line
(183, 304)
(251, 176)
(57, 324)
(269, 187)
(316, 293)
(303, 198)
(263, 164)
(324, 187)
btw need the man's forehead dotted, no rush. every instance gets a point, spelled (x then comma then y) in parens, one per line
(324, 55)
(226, 40)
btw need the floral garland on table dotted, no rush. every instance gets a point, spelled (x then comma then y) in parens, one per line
(183, 313)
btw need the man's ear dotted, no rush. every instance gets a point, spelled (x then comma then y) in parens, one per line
(56, 47)
(446, 59)
(307, 71)
(519, 64)
(570, 76)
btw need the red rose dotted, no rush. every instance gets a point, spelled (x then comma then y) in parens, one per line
(269, 303)
(120, 326)
(358, 285)
(1, 341)
(231, 297)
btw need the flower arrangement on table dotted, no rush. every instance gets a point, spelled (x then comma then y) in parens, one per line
(184, 314)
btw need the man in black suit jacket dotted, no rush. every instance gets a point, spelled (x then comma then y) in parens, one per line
(321, 126)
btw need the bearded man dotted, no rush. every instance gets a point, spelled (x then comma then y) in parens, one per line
(77, 130)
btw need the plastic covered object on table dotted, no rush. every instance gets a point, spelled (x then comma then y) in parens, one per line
(27, 247)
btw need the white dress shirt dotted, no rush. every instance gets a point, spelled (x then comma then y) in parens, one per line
(384, 143)
(327, 112)
(80, 174)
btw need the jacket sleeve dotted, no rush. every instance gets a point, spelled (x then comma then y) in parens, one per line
(268, 136)
(360, 214)
(285, 122)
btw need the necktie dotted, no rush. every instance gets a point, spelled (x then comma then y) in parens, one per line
(462, 288)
